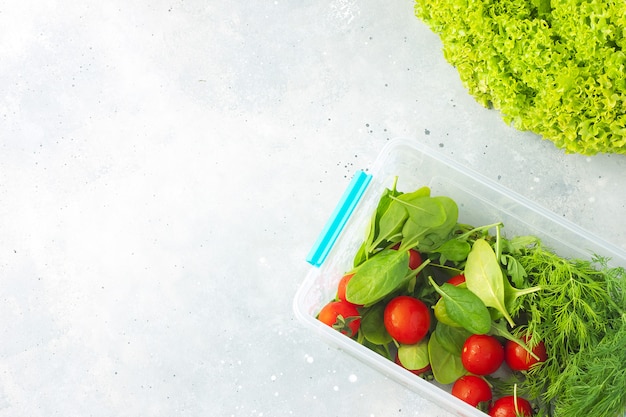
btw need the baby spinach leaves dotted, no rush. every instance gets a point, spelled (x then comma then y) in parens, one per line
(392, 214)
(451, 338)
(373, 227)
(411, 220)
(445, 358)
(430, 222)
(484, 278)
(372, 325)
(378, 276)
(414, 357)
(390, 225)
(425, 211)
(455, 250)
(464, 307)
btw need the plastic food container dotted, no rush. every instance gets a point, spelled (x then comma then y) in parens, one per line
(481, 201)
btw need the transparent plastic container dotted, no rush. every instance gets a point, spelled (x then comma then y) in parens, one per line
(481, 201)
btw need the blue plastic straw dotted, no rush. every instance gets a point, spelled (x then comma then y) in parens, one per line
(350, 198)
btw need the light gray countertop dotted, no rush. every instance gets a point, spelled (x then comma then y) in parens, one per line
(165, 167)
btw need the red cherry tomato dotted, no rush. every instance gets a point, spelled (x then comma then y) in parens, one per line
(341, 288)
(341, 316)
(472, 389)
(415, 371)
(456, 280)
(511, 406)
(407, 319)
(415, 259)
(519, 359)
(482, 354)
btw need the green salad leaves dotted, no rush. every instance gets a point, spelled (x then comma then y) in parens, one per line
(554, 67)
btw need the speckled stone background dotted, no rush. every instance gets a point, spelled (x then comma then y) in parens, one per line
(166, 165)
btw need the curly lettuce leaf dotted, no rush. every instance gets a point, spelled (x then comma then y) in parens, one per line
(556, 68)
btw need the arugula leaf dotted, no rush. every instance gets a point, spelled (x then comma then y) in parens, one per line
(513, 268)
(519, 244)
(511, 295)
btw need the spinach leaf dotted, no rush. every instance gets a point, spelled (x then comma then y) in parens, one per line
(452, 215)
(378, 276)
(390, 224)
(412, 234)
(415, 356)
(429, 237)
(361, 255)
(420, 192)
(424, 211)
(373, 229)
(447, 367)
(453, 250)
(442, 316)
(464, 307)
(484, 278)
(423, 192)
(393, 214)
(373, 325)
(383, 205)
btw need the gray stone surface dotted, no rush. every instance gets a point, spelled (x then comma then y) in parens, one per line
(165, 167)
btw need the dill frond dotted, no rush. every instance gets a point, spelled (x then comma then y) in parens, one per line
(579, 313)
(594, 380)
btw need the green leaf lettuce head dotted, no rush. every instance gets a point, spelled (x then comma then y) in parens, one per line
(553, 67)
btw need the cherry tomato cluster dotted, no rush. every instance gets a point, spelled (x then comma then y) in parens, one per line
(409, 320)
(483, 355)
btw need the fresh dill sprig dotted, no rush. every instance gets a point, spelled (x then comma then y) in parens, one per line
(579, 314)
(593, 382)
(574, 307)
